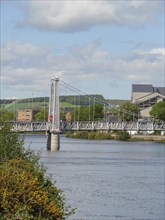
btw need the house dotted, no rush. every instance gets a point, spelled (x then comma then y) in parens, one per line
(26, 115)
(145, 96)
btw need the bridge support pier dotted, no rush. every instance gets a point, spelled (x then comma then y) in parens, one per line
(53, 141)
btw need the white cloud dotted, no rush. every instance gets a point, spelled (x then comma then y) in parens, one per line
(158, 51)
(10, 50)
(32, 69)
(71, 16)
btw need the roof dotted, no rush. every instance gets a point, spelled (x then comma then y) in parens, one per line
(150, 96)
(148, 88)
(160, 90)
(142, 88)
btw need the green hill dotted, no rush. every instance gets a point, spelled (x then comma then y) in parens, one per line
(65, 102)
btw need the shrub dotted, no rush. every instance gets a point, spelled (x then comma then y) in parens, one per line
(92, 135)
(21, 190)
(25, 192)
(122, 135)
(11, 146)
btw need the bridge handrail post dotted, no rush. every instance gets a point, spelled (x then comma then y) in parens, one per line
(16, 126)
(93, 127)
(152, 125)
(122, 125)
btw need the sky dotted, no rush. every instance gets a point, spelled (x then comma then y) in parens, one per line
(97, 46)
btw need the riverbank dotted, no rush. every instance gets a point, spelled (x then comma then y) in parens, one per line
(158, 138)
(118, 135)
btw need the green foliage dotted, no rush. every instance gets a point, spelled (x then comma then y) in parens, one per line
(157, 133)
(158, 111)
(129, 111)
(115, 102)
(65, 101)
(62, 116)
(91, 113)
(42, 115)
(122, 135)
(16, 106)
(82, 99)
(25, 191)
(97, 112)
(81, 135)
(6, 101)
(35, 99)
(10, 143)
(92, 135)
(5, 115)
(96, 135)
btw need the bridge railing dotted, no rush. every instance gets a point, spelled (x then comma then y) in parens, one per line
(82, 126)
(30, 126)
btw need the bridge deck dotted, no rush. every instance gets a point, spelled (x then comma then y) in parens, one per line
(89, 126)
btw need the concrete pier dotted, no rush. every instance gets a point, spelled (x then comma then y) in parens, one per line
(48, 140)
(53, 141)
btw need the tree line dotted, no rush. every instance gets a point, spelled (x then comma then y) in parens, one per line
(125, 112)
(74, 100)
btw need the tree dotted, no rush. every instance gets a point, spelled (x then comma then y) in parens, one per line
(41, 115)
(10, 143)
(5, 115)
(68, 117)
(62, 116)
(158, 110)
(90, 113)
(129, 111)
(97, 112)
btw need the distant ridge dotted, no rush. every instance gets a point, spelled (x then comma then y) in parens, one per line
(70, 99)
(117, 101)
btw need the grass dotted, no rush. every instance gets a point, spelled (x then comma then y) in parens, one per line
(14, 107)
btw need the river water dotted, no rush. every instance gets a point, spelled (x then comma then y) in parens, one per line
(107, 180)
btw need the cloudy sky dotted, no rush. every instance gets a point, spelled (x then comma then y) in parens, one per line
(98, 46)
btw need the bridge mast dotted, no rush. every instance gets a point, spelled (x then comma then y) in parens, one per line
(53, 142)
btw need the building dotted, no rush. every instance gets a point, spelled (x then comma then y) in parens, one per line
(26, 115)
(145, 96)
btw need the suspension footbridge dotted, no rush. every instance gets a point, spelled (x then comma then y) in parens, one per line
(54, 126)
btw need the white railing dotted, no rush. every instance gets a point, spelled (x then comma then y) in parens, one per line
(80, 126)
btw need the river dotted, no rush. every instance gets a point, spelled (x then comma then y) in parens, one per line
(107, 179)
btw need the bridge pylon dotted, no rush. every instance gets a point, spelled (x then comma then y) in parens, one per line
(53, 140)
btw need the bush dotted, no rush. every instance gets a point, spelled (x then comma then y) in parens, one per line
(25, 192)
(122, 135)
(11, 146)
(92, 135)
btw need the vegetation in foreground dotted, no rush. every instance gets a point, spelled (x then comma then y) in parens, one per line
(25, 191)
